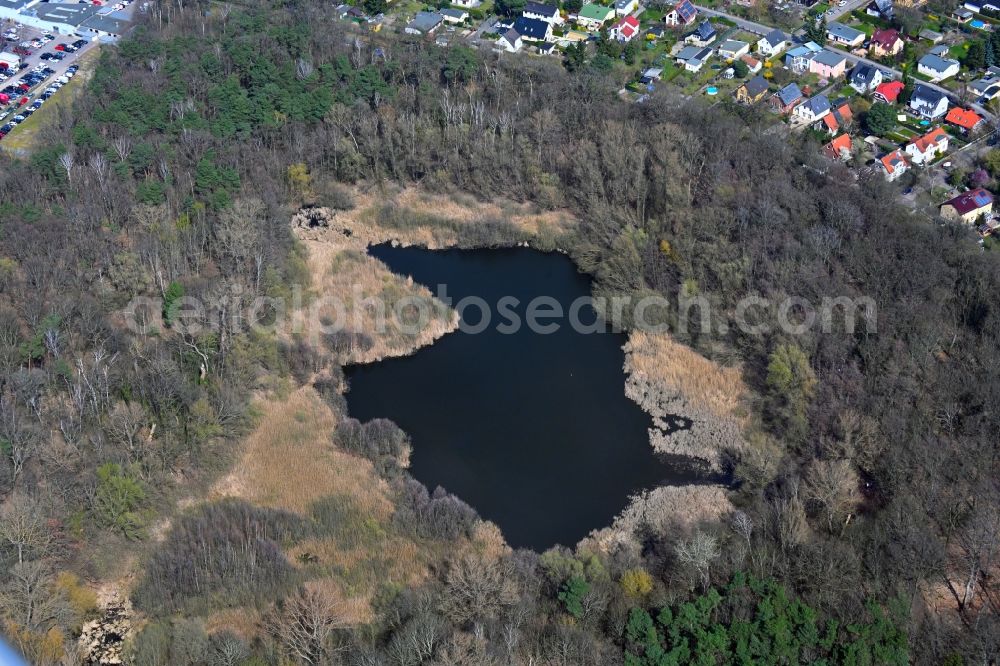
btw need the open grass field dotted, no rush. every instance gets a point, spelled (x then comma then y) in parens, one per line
(26, 136)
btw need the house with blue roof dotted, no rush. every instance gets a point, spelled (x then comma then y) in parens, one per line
(798, 58)
(812, 109)
(937, 68)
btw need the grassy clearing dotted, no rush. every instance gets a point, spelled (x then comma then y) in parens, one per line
(26, 136)
(289, 463)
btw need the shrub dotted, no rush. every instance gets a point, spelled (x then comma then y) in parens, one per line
(117, 500)
(379, 440)
(434, 516)
(227, 553)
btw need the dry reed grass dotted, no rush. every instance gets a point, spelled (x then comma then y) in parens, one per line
(669, 379)
(289, 463)
(667, 511)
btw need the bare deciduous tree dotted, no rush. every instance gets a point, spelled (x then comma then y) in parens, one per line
(307, 623)
(22, 526)
(699, 552)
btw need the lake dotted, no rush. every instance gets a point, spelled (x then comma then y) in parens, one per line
(532, 429)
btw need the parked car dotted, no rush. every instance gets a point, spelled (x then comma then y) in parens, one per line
(18, 119)
(80, 43)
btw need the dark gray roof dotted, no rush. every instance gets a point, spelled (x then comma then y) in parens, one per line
(453, 13)
(705, 30)
(425, 21)
(756, 86)
(530, 28)
(818, 104)
(775, 37)
(927, 94)
(863, 73)
(541, 9)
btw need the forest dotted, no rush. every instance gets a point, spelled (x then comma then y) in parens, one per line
(867, 521)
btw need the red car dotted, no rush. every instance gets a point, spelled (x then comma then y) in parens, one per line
(60, 47)
(22, 101)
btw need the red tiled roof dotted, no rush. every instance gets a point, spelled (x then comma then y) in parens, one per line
(964, 118)
(930, 140)
(894, 160)
(966, 202)
(838, 145)
(628, 26)
(885, 38)
(830, 122)
(890, 90)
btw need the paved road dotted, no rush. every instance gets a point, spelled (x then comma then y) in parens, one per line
(762, 29)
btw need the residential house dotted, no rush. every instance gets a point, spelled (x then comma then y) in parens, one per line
(961, 15)
(812, 109)
(656, 32)
(968, 206)
(928, 103)
(799, 58)
(683, 13)
(839, 148)
(454, 15)
(888, 92)
(424, 23)
(752, 63)
(546, 48)
(881, 9)
(894, 165)
(510, 41)
(542, 12)
(844, 35)
(965, 119)
(927, 147)
(865, 78)
(828, 65)
(937, 68)
(839, 118)
(752, 91)
(772, 43)
(885, 43)
(703, 35)
(625, 29)
(731, 49)
(592, 17)
(533, 29)
(626, 7)
(785, 99)
(466, 4)
(988, 85)
(692, 58)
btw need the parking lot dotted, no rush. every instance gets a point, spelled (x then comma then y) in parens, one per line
(48, 62)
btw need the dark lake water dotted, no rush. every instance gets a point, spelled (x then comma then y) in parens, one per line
(533, 430)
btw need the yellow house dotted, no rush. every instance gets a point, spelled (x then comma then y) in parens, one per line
(752, 91)
(968, 206)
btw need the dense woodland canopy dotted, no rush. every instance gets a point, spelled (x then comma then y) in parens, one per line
(176, 174)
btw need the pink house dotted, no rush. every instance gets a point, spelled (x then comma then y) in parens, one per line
(828, 65)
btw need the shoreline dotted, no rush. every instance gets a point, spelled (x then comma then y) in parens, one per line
(666, 379)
